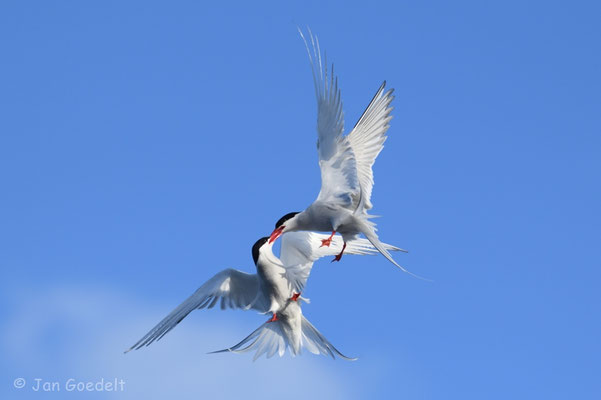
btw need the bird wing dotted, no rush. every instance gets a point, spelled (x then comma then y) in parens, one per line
(339, 179)
(346, 161)
(367, 140)
(234, 288)
(301, 249)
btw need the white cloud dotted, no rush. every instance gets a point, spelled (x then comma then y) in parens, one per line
(72, 332)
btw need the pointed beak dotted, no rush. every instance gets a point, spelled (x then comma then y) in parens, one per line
(276, 234)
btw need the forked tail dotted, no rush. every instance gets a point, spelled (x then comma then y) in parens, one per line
(369, 231)
(274, 337)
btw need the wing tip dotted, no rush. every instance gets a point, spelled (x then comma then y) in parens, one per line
(229, 350)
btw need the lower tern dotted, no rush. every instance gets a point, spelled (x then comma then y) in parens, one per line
(275, 289)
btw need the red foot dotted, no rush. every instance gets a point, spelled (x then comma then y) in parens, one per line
(274, 318)
(295, 296)
(339, 256)
(328, 241)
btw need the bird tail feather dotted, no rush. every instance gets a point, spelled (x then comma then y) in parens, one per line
(368, 229)
(274, 337)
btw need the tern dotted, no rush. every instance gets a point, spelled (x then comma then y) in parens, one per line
(345, 162)
(274, 289)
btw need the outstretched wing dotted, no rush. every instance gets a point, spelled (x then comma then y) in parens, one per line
(367, 140)
(233, 288)
(301, 249)
(339, 181)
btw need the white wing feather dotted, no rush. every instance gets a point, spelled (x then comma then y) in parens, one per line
(339, 179)
(367, 140)
(234, 288)
(301, 249)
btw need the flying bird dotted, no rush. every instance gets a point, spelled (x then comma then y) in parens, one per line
(274, 289)
(345, 162)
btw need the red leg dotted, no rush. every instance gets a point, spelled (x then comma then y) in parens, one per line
(339, 256)
(328, 241)
(274, 318)
(295, 296)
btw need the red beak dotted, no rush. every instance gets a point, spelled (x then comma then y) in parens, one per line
(276, 234)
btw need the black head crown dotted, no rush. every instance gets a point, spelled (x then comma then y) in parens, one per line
(257, 246)
(284, 219)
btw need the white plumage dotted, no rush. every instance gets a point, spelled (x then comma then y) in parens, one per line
(341, 206)
(345, 161)
(270, 290)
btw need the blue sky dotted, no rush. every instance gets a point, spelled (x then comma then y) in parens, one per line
(144, 146)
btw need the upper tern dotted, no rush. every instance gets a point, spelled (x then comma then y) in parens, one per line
(345, 163)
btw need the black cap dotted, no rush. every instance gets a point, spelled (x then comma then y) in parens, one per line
(284, 219)
(257, 246)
